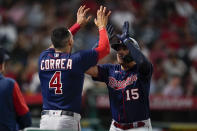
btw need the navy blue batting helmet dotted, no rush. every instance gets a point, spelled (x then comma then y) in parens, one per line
(115, 46)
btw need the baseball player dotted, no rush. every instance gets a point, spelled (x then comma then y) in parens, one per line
(62, 73)
(14, 112)
(128, 84)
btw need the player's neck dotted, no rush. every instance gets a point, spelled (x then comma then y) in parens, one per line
(64, 50)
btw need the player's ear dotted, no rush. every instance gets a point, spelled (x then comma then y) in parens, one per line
(70, 42)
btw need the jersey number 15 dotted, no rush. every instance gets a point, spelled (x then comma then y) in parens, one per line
(56, 83)
(132, 94)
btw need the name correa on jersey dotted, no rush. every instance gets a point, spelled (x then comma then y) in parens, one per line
(50, 64)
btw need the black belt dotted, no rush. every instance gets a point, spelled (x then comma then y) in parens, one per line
(129, 126)
(67, 113)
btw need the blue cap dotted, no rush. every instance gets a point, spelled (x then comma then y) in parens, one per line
(3, 55)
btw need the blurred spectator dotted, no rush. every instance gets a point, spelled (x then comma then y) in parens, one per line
(144, 49)
(174, 66)
(157, 56)
(170, 37)
(88, 83)
(148, 33)
(120, 15)
(35, 16)
(159, 76)
(8, 33)
(17, 12)
(21, 48)
(189, 86)
(14, 69)
(158, 52)
(193, 71)
(184, 8)
(153, 87)
(34, 86)
(173, 87)
(28, 72)
(193, 53)
(192, 21)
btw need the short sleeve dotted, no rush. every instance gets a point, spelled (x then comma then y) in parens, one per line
(103, 73)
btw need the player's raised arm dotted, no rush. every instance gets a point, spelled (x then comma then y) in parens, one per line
(134, 50)
(82, 19)
(103, 48)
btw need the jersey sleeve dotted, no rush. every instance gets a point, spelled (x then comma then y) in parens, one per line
(88, 58)
(103, 73)
(19, 102)
(103, 47)
(145, 67)
(73, 29)
(22, 111)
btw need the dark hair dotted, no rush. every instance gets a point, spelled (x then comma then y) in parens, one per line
(60, 37)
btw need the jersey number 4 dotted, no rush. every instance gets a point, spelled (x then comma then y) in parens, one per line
(132, 94)
(55, 82)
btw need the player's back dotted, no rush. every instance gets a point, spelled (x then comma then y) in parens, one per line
(61, 76)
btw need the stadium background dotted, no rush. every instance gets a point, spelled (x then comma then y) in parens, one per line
(165, 29)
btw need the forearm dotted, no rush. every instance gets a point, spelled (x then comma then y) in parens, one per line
(145, 67)
(73, 29)
(103, 48)
(136, 54)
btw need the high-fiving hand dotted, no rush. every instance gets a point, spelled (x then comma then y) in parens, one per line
(125, 36)
(82, 19)
(102, 17)
(125, 32)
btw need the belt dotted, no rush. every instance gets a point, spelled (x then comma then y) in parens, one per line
(129, 126)
(67, 113)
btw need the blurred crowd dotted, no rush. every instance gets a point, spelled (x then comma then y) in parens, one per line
(165, 29)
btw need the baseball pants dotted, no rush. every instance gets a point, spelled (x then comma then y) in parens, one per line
(146, 127)
(54, 120)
